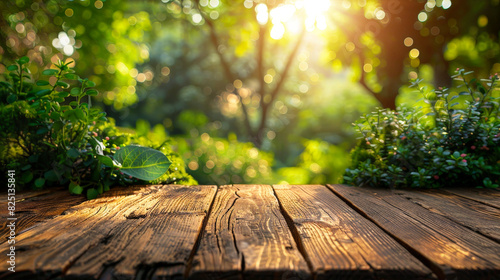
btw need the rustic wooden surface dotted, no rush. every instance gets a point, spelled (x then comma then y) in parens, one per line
(30, 210)
(257, 232)
(246, 234)
(451, 250)
(339, 242)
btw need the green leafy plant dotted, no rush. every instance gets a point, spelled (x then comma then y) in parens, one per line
(451, 141)
(225, 161)
(53, 136)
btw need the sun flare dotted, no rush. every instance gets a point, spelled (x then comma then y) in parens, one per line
(293, 16)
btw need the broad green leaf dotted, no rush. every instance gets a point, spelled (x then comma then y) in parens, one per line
(50, 175)
(12, 68)
(26, 177)
(62, 84)
(141, 162)
(63, 94)
(108, 161)
(39, 183)
(75, 91)
(75, 188)
(43, 92)
(23, 60)
(42, 83)
(73, 153)
(50, 72)
(91, 92)
(92, 193)
(90, 84)
(71, 76)
(12, 98)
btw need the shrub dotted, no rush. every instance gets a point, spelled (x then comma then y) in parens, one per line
(51, 135)
(213, 160)
(319, 163)
(452, 141)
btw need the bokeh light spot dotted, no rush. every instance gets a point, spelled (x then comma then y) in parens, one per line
(414, 53)
(98, 4)
(482, 21)
(422, 16)
(68, 12)
(408, 41)
(268, 79)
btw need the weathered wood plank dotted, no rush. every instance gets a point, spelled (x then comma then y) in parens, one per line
(470, 213)
(114, 236)
(36, 206)
(452, 250)
(28, 194)
(247, 236)
(51, 247)
(161, 232)
(487, 196)
(340, 243)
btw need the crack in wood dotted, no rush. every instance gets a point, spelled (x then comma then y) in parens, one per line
(441, 272)
(189, 262)
(295, 235)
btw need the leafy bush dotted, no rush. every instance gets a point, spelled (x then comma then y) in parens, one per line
(222, 161)
(319, 163)
(51, 136)
(452, 141)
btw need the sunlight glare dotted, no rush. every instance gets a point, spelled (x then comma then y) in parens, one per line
(316, 7)
(282, 13)
(262, 15)
(321, 22)
(277, 31)
(286, 16)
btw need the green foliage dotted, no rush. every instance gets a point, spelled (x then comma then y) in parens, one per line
(319, 163)
(453, 141)
(142, 162)
(53, 137)
(225, 161)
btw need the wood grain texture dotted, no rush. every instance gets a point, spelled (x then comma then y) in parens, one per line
(117, 236)
(160, 235)
(36, 206)
(489, 197)
(451, 250)
(247, 237)
(51, 247)
(340, 243)
(477, 216)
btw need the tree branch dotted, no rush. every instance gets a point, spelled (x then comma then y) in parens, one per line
(225, 65)
(260, 63)
(277, 88)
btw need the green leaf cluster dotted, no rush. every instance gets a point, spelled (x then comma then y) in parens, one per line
(51, 134)
(225, 160)
(452, 141)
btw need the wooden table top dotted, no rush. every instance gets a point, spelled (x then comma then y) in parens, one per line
(256, 232)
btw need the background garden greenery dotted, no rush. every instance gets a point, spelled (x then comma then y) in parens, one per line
(252, 91)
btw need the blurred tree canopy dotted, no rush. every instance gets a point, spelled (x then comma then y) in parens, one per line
(390, 39)
(272, 72)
